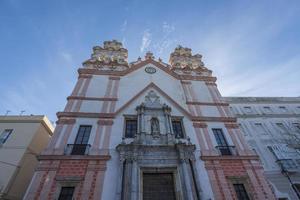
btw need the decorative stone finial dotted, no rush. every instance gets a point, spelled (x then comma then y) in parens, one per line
(149, 55)
(182, 58)
(111, 54)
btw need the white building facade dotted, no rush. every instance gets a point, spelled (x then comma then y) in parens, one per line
(271, 126)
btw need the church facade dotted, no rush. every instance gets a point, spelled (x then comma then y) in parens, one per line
(147, 130)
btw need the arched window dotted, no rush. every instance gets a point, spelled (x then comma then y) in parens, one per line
(154, 126)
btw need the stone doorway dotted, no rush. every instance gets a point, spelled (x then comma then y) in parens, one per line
(157, 186)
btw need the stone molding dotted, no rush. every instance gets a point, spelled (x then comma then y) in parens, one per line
(200, 125)
(105, 122)
(112, 115)
(93, 98)
(85, 76)
(74, 157)
(94, 71)
(214, 119)
(85, 115)
(216, 158)
(207, 103)
(66, 121)
(262, 100)
(114, 78)
(231, 125)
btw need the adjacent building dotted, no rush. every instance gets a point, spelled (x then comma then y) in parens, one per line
(147, 130)
(22, 138)
(271, 126)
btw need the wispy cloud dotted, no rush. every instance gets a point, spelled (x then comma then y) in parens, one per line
(166, 40)
(168, 28)
(124, 26)
(66, 56)
(146, 40)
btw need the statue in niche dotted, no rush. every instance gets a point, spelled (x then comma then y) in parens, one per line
(154, 126)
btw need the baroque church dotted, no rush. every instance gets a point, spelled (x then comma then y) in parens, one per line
(147, 130)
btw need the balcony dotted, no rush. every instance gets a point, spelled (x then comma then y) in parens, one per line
(227, 150)
(77, 149)
(287, 165)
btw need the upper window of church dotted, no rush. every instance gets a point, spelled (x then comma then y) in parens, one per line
(178, 128)
(130, 128)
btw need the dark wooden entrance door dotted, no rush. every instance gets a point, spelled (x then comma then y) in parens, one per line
(158, 186)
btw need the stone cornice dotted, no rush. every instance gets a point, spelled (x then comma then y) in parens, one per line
(93, 98)
(250, 157)
(231, 125)
(74, 157)
(112, 115)
(267, 115)
(262, 100)
(214, 119)
(200, 125)
(207, 103)
(94, 71)
(66, 121)
(85, 115)
(85, 76)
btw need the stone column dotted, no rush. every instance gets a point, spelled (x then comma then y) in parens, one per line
(139, 120)
(121, 170)
(134, 181)
(196, 177)
(142, 123)
(187, 180)
(168, 123)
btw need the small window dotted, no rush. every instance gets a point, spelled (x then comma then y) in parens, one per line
(5, 135)
(83, 134)
(178, 128)
(223, 146)
(260, 129)
(130, 128)
(248, 109)
(81, 142)
(267, 109)
(283, 109)
(241, 192)
(281, 127)
(220, 138)
(66, 193)
(297, 126)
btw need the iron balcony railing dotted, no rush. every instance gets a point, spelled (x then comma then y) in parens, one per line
(77, 149)
(226, 150)
(288, 165)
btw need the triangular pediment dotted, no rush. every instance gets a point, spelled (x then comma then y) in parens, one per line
(153, 96)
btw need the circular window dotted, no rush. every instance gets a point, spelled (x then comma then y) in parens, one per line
(150, 70)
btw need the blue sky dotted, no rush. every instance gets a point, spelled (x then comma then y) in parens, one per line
(253, 47)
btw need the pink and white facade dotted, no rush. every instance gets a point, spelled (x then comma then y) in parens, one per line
(124, 125)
